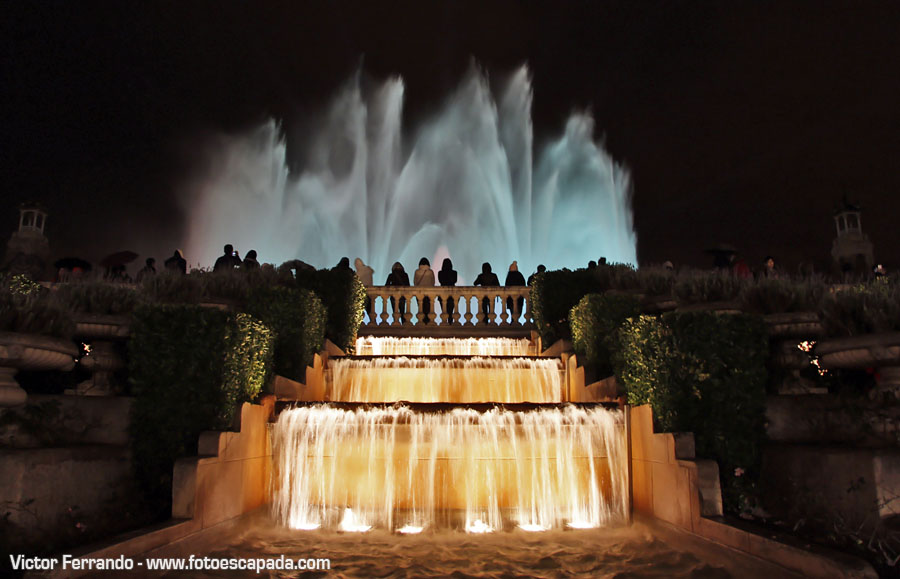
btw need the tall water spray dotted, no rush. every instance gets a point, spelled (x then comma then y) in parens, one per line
(468, 185)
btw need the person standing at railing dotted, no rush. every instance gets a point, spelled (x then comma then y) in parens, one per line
(424, 277)
(540, 269)
(486, 278)
(514, 278)
(447, 277)
(398, 276)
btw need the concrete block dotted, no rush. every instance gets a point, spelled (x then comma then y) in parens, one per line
(671, 494)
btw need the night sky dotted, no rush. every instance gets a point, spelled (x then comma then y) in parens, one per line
(741, 122)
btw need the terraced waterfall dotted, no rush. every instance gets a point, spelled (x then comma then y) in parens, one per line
(472, 434)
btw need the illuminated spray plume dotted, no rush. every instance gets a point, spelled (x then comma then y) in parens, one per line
(468, 185)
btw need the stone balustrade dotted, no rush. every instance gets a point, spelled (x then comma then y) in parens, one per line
(475, 309)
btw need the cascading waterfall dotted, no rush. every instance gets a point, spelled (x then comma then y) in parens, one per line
(388, 346)
(480, 471)
(469, 185)
(456, 380)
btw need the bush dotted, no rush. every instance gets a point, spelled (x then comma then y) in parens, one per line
(169, 287)
(863, 309)
(344, 297)
(782, 295)
(554, 294)
(297, 318)
(703, 373)
(98, 297)
(191, 368)
(594, 323)
(705, 287)
(28, 308)
(232, 285)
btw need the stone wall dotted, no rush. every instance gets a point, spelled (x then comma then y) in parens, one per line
(231, 475)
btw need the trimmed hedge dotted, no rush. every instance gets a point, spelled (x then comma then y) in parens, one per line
(703, 373)
(594, 322)
(98, 297)
(344, 297)
(190, 369)
(28, 308)
(553, 295)
(297, 318)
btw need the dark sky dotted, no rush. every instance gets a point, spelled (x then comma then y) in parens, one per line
(742, 122)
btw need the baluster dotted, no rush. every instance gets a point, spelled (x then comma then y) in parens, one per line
(420, 307)
(454, 317)
(395, 303)
(470, 318)
(528, 321)
(514, 312)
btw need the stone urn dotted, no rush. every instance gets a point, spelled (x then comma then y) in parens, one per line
(20, 351)
(786, 332)
(102, 332)
(880, 351)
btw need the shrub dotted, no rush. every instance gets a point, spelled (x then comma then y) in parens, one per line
(98, 297)
(190, 368)
(344, 297)
(703, 373)
(28, 308)
(705, 287)
(782, 295)
(297, 318)
(863, 309)
(594, 322)
(554, 294)
(169, 287)
(232, 285)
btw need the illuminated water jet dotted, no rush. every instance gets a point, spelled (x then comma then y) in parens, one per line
(469, 185)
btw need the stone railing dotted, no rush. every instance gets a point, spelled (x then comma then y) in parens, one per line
(487, 308)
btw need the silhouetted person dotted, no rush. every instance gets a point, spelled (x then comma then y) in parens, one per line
(592, 264)
(602, 262)
(250, 260)
(540, 269)
(447, 277)
(176, 263)
(878, 271)
(486, 278)
(740, 269)
(342, 265)
(514, 278)
(399, 277)
(228, 260)
(770, 271)
(117, 273)
(364, 272)
(148, 270)
(424, 277)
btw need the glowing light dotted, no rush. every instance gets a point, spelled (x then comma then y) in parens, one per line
(410, 530)
(533, 528)
(478, 526)
(306, 526)
(351, 523)
(581, 525)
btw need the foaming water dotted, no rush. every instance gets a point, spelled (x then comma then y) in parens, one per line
(453, 380)
(388, 346)
(468, 185)
(612, 553)
(392, 468)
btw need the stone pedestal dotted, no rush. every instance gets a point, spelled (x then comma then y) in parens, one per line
(879, 351)
(102, 333)
(786, 332)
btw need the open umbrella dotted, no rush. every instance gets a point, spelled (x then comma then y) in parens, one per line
(118, 258)
(72, 263)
